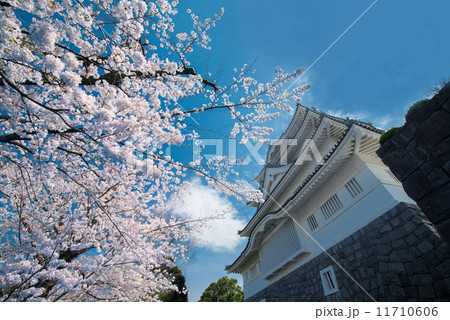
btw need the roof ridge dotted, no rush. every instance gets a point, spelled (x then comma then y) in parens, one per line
(347, 121)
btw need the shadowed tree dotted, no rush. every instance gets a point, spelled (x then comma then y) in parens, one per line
(179, 295)
(224, 290)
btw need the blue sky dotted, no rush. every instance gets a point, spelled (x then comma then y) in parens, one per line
(389, 59)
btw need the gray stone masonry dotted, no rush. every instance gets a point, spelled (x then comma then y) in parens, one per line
(419, 156)
(397, 257)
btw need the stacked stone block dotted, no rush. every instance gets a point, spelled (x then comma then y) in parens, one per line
(419, 156)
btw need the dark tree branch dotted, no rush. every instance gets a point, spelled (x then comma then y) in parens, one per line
(114, 77)
(21, 146)
(12, 137)
(26, 96)
(15, 137)
(47, 285)
(70, 255)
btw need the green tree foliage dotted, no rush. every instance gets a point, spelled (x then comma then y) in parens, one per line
(179, 281)
(224, 290)
(385, 136)
(414, 108)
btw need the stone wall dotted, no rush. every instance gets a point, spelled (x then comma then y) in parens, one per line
(397, 257)
(419, 156)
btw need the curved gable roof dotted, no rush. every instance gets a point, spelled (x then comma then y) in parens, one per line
(299, 120)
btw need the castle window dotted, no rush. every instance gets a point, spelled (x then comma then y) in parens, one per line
(313, 225)
(331, 206)
(252, 273)
(329, 281)
(280, 246)
(353, 188)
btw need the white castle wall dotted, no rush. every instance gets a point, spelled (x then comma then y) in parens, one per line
(380, 193)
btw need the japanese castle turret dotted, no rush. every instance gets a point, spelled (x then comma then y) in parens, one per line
(336, 225)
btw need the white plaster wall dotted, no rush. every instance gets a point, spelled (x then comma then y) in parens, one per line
(380, 193)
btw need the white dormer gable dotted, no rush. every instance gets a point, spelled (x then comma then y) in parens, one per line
(273, 175)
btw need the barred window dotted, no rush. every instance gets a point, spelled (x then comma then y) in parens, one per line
(353, 188)
(331, 206)
(252, 273)
(313, 225)
(282, 244)
(329, 281)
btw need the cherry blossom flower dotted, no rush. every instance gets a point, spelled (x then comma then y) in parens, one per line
(87, 103)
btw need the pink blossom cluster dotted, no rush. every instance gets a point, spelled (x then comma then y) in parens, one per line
(90, 92)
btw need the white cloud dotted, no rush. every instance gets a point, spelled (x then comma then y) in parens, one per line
(386, 122)
(200, 201)
(361, 115)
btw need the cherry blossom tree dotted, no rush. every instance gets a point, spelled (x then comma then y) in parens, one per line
(91, 91)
